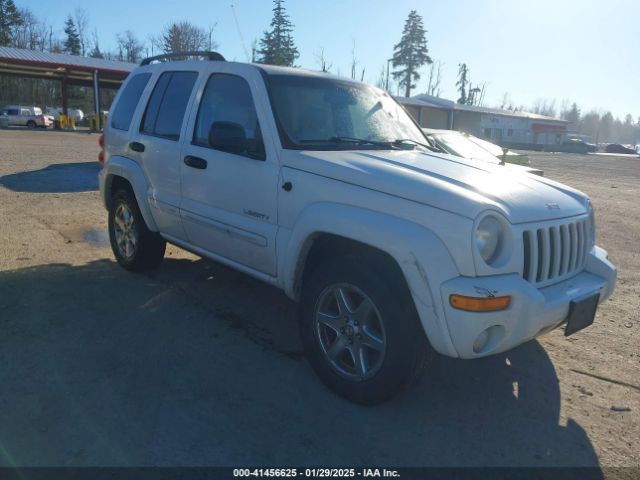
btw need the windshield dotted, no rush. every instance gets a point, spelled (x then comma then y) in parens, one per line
(329, 114)
(458, 144)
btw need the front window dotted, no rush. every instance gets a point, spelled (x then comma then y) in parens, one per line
(227, 100)
(330, 114)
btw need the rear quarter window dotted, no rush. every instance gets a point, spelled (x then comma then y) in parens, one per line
(128, 101)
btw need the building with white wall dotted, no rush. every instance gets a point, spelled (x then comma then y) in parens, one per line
(507, 128)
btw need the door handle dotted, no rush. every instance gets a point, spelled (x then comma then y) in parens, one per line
(195, 162)
(136, 146)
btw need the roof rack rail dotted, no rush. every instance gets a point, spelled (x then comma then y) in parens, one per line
(208, 55)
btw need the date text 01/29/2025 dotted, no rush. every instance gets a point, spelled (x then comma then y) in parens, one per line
(315, 472)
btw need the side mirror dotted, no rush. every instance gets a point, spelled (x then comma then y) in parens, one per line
(228, 137)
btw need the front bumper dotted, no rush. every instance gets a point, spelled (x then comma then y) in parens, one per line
(532, 311)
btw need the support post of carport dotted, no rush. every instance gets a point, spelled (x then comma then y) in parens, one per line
(96, 98)
(65, 103)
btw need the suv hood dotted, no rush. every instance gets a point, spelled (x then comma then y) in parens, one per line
(459, 185)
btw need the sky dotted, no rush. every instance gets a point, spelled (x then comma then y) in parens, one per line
(582, 51)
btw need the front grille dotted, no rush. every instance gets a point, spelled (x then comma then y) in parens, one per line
(555, 252)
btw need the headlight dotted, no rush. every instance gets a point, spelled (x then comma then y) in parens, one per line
(488, 237)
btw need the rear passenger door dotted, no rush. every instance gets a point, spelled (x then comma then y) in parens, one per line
(156, 142)
(229, 195)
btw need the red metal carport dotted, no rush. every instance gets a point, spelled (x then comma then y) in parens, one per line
(67, 69)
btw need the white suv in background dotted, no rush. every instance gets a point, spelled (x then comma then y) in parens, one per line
(30, 117)
(325, 187)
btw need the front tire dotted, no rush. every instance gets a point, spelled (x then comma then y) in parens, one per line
(31, 124)
(135, 247)
(360, 329)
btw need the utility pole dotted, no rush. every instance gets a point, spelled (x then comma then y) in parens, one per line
(386, 83)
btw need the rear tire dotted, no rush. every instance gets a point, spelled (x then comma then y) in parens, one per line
(31, 124)
(135, 247)
(366, 358)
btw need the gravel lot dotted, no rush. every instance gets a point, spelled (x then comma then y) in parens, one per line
(196, 364)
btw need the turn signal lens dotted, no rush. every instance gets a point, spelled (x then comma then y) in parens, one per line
(479, 304)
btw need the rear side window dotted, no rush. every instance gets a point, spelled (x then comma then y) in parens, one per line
(123, 113)
(165, 111)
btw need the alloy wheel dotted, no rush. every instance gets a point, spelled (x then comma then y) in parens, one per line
(350, 331)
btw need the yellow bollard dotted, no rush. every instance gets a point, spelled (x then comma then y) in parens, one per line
(63, 121)
(72, 122)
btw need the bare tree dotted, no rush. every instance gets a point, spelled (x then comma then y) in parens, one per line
(31, 34)
(95, 51)
(435, 74)
(321, 60)
(544, 106)
(185, 36)
(380, 82)
(354, 60)
(254, 50)
(82, 22)
(211, 43)
(129, 47)
(507, 102)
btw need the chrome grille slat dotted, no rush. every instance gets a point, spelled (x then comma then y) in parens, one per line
(574, 246)
(555, 251)
(582, 237)
(533, 269)
(544, 256)
(565, 249)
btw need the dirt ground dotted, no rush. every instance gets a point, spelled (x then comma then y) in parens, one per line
(195, 364)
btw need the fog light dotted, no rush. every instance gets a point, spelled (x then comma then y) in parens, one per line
(481, 341)
(489, 339)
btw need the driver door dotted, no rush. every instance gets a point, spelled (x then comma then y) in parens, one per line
(229, 196)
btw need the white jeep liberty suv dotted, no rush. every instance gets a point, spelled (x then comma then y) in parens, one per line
(327, 189)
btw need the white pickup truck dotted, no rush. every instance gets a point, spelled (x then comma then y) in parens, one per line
(326, 188)
(30, 117)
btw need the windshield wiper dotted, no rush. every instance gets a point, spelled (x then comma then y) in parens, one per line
(354, 140)
(401, 141)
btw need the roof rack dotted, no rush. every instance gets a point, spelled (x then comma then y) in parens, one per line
(159, 58)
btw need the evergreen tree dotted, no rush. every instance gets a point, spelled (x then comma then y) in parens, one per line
(572, 115)
(72, 42)
(410, 53)
(9, 18)
(463, 80)
(277, 46)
